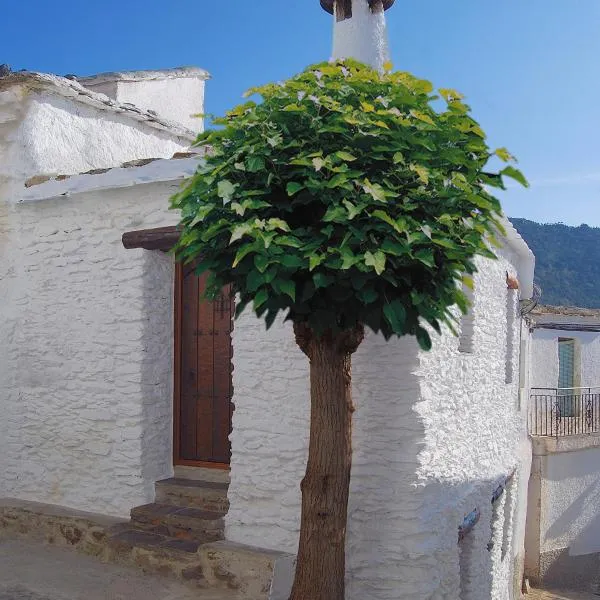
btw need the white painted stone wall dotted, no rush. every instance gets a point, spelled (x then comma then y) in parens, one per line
(434, 433)
(175, 94)
(571, 498)
(544, 365)
(86, 354)
(363, 37)
(59, 136)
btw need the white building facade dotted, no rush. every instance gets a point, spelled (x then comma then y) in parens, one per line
(563, 527)
(93, 357)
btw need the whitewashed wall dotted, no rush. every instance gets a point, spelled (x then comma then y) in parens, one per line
(545, 356)
(571, 498)
(433, 435)
(475, 435)
(175, 94)
(59, 136)
(87, 333)
(563, 527)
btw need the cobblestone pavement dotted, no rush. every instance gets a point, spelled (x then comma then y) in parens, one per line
(30, 571)
(545, 595)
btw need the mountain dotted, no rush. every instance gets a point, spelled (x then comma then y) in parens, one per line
(567, 262)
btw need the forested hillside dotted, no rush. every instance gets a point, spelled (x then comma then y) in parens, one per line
(567, 262)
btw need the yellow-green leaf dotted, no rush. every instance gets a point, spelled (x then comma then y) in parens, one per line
(376, 260)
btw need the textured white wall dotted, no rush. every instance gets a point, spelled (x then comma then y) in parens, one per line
(544, 358)
(59, 136)
(363, 37)
(433, 435)
(475, 434)
(174, 99)
(544, 365)
(569, 516)
(87, 335)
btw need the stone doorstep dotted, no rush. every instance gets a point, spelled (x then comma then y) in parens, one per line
(201, 474)
(208, 495)
(178, 522)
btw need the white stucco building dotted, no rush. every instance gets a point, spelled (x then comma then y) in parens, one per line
(113, 375)
(563, 526)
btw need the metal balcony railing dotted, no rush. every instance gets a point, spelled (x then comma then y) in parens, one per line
(562, 412)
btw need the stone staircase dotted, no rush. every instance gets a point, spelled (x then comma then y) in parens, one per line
(180, 535)
(165, 536)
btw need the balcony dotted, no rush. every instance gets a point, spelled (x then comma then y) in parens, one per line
(560, 412)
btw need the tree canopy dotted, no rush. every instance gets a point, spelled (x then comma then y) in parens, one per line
(343, 197)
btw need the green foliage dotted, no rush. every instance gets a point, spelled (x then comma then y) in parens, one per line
(344, 197)
(567, 265)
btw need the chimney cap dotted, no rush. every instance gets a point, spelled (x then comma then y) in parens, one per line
(328, 4)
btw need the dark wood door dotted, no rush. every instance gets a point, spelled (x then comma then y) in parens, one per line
(203, 387)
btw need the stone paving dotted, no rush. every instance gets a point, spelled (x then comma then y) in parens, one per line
(31, 571)
(547, 595)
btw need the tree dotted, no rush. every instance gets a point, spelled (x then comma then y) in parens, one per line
(343, 199)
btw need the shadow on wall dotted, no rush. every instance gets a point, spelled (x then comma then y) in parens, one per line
(476, 521)
(585, 510)
(157, 368)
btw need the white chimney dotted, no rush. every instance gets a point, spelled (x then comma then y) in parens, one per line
(360, 30)
(174, 94)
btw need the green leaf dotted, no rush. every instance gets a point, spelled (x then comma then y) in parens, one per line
(426, 257)
(287, 286)
(318, 163)
(399, 158)
(321, 280)
(421, 171)
(241, 254)
(504, 155)
(345, 155)
(293, 187)
(261, 262)
(291, 261)
(260, 298)
(201, 214)
(239, 231)
(352, 210)
(516, 175)
(421, 116)
(225, 190)
(377, 261)
(424, 339)
(275, 223)
(254, 280)
(254, 164)
(395, 314)
(314, 261)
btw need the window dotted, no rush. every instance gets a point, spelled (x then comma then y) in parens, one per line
(467, 323)
(566, 363)
(567, 376)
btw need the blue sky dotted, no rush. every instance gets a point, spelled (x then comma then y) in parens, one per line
(528, 68)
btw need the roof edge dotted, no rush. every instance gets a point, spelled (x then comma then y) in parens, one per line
(144, 75)
(76, 91)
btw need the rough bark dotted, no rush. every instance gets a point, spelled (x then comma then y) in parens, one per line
(321, 565)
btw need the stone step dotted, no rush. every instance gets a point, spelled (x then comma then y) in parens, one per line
(174, 521)
(156, 554)
(189, 493)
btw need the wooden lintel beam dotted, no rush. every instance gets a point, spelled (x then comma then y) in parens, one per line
(160, 238)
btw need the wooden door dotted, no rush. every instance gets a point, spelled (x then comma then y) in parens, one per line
(203, 387)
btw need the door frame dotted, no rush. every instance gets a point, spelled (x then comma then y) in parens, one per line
(177, 326)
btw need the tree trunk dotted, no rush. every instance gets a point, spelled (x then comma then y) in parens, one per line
(321, 566)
